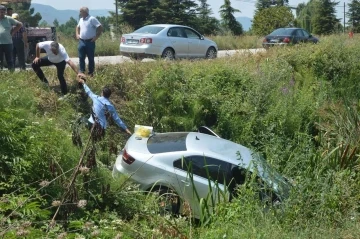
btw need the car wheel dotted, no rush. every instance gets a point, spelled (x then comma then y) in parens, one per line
(211, 53)
(168, 201)
(168, 54)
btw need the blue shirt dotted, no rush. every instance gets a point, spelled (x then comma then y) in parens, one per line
(100, 106)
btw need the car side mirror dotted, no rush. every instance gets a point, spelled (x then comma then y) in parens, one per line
(310, 36)
(202, 37)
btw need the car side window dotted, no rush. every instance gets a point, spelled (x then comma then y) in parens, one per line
(191, 34)
(306, 34)
(175, 32)
(202, 166)
(299, 33)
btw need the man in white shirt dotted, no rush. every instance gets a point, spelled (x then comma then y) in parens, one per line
(56, 55)
(88, 31)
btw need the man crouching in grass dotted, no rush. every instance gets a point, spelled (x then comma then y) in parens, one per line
(56, 55)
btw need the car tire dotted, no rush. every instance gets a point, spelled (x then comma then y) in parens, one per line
(211, 53)
(168, 201)
(168, 54)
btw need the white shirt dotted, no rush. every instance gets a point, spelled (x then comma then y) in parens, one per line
(61, 56)
(88, 27)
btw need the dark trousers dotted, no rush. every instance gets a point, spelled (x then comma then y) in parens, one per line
(19, 51)
(44, 61)
(86, 48)
(7, 50)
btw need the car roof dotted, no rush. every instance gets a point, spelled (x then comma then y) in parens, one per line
(195, 143)
(293, 28)
(218, 147)
(166, 25)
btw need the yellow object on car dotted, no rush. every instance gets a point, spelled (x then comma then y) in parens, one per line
(143, 131)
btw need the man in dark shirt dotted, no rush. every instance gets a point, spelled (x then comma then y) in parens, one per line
(20, 42)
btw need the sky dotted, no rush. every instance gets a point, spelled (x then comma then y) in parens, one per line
(247, 7)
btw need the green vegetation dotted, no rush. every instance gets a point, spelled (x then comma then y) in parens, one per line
(271, 18)
(298, 106)
(229, 22)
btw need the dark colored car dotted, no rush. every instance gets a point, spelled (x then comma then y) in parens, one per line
(285, 36)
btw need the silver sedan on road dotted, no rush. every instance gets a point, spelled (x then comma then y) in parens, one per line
(194, 166)
(167, 41)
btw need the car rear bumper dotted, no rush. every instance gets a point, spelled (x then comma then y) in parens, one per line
(145, 50)
(131, 172)
(267, 45)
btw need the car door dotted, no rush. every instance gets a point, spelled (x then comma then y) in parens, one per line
(196, 46)
(299, 36)
(201, 181)
(178, 41)
(306, 36)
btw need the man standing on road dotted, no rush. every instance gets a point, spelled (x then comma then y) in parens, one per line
(56, 55)
(20, 43)
(102, 105)
(6, 33)
(88, 31)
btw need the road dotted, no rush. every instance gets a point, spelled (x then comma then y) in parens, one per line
(120, 59)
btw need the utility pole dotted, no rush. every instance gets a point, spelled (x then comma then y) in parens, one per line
(117, 15)
(344, 17)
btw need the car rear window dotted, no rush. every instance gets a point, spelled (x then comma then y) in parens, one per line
(149, 30)
(168, 142)
(282, 32)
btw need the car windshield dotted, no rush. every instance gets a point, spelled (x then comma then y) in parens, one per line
(282, 32)
(149, 30)
(167, 142)
(280, 184)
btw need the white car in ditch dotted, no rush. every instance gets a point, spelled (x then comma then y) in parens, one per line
(184, 164)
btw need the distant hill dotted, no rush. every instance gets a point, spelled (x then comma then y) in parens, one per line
(245, 22)
(49, 14)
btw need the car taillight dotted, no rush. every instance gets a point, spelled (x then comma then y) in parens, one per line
(286, 40)
(127, 158)
(122, 39)
(146, 40)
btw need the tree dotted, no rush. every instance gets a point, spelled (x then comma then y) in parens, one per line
(228, 20)
(262, 4)
(305, 14)
(56, 23)
(206, 23)
(354, 15)
(325, 21)
(136, 12)
(269, 19)
(68, 28)
(26, 14)
(105, 22)
(44, 23)
(175, 12)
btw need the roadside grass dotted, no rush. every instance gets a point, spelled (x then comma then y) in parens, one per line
(106, 46)
(298, 106)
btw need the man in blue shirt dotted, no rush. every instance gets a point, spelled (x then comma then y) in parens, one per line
(101, 105)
